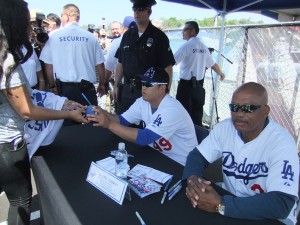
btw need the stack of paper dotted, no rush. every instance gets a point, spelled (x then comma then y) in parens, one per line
(143, 186)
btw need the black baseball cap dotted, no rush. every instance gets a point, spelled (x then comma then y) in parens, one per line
(155, 74)
(143, 3)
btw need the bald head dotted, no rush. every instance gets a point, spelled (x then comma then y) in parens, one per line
(258, 92)
(250, 123)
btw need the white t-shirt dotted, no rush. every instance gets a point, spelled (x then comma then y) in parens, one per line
(267, 163)
(171, 121)
(111, 60)
(11, 123)
(43, 132)
(74, 53)
(194, 57)
(31, 67)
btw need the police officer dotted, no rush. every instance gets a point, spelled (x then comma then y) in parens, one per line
(73, 53)
(142, 47)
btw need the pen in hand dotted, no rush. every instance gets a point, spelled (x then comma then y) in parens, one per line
(140, 218)
(86, 99)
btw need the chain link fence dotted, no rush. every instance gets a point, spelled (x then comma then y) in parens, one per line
(266, 54)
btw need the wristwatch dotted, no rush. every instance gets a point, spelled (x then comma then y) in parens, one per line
(220, 209)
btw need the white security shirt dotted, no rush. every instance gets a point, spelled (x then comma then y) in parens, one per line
(171, 121)
(193, 57)
(74, 54)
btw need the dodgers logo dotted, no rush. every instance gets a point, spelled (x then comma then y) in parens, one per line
(287, 173)
(244, 170)
(149, 73)
(157, 121)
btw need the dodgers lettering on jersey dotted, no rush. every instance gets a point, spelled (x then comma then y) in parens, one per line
(73, 38)
(251, 171)
(245, 171)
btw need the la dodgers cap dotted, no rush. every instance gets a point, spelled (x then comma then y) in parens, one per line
(156, 74)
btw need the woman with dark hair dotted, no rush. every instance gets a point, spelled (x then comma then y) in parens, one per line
(16, 107)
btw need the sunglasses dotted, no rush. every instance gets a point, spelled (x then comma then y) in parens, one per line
(151, 84)
(139, 9)
(244, 108)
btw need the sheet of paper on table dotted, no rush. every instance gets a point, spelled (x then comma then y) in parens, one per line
(140, 171)
(137, 171)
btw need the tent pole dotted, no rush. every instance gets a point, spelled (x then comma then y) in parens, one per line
(215, 78)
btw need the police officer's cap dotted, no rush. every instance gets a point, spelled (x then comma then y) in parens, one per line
(143, 3)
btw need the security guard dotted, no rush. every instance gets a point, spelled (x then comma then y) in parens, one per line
(142, 47)
(194, 57)
(73, 54)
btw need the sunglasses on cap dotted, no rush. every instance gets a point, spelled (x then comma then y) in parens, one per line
(151, 84)
(244, 108)
(139, 9)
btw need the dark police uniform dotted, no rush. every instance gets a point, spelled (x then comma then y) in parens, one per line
(137, 54)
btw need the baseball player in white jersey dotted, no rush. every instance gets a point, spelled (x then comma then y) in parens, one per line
(168, 127)
(194, 58)
(259, 161)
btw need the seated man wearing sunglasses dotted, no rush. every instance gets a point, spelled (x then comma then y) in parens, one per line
(259, 163)
(168, 128)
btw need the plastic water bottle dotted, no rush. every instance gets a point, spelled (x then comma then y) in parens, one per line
(121, 161)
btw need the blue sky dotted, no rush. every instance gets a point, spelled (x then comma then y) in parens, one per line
(92, 11)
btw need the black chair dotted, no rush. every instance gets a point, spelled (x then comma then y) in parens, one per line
(214, 171)
(201, 133)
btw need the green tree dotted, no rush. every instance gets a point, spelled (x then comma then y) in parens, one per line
(173, 22)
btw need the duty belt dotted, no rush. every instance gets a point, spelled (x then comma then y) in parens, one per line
(73, 84)
(193, 82)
